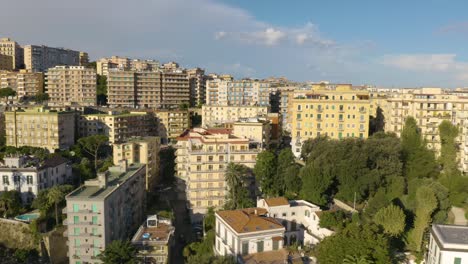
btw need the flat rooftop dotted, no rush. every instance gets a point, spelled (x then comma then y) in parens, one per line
(160, 233)
(115, 178)
(453, 237)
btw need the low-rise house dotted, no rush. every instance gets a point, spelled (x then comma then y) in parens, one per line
(29, 176)
(300, 218)
(448, 244)
(247, 231)
(154, 240)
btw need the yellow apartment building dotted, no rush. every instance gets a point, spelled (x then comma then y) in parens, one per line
(117, 126)
(255, 129)
(143, 150)
(69, 85)
(10, 48)
(202, 157)
(40, 127)
(24, 82)
(172, 123)
(336, 111)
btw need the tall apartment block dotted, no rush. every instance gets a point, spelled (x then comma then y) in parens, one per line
(10, 48)
(40, 58)
(216, 115)
(143, 150)
(104, 65)
(24, 82)
(40, 127)
(83, 58)
(69, 85)
(337, 111)
(172, 123)
(202, 158)
(110, 207)
(224, 91)
(197, 80)
(117, 126)
(148, 89)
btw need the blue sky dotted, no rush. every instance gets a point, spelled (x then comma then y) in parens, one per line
(384, 43)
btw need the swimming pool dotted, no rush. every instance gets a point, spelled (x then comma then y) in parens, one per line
(27, 217)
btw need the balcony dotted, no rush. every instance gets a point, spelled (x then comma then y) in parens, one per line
(320, 110)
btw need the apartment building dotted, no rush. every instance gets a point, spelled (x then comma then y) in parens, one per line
(10, 48)
(104, 65)
(6, 62)
(40, 127)
(24, 82)
(154, 240)
(143, 150)
(300, 219)
(223, 91)
(117, 126)
(448, 244)
(247, 231)
(197, 82)
(110, 207)
(337, 111)
(201, 159)
(148, 89)
(40, 58)
(69, 85)
(29, 175)
(83, 59)
(256, 130)
(216, 115)
(172, 123)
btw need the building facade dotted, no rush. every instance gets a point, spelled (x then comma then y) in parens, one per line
(40, 127)
(40, 58)
(117, 126)
(172, 123)
(143, 150)
(154, 240)
(24, 82)
(104, 65)
(110, 207)
(218, 115)
(69, 85)
(222, 91)
(29, 176)
(448, 244)
(336, 111)
(201, 159)
(10, 48)
(256, 130)
(197, 79)
(6, 62)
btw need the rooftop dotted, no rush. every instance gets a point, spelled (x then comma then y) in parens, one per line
(115, 179)
(272, 257)
(249, 220)
(276, 201)
(451, 236)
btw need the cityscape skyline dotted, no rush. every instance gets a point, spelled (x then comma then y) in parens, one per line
(408, 45)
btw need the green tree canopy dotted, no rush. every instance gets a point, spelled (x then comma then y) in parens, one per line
(119, 252)
(10, 203)
(266, 173)
(236, 178)
(392, 219)
(56, 196)
(6, 92)
(92, 145)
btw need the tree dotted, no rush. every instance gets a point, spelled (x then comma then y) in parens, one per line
(353, 259)
(266, 172)
(56, 195)
(39, 98)
(292, 181)
(392, 219)
(92, 145)
(286, 166)
(377, 123)
(7, 92)
(426, 203)
(101, 89)
(448, 152)
(209, 220)
(119, 252)
(316, 183)
(10, 203)
(238, 196)
(333, 220)
(42, 202)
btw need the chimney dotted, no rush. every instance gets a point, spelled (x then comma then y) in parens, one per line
(102, 178)
(123, 165)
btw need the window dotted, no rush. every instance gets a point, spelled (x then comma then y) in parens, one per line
(76, 219)
(76, 207)
(5, 180)
(29, 179)
(94, 208)
(245, 248)
(293, 225)
(260, 246)
(77, 242)
(457, 261)
(76, 231)
(95, 220)
(275, 244)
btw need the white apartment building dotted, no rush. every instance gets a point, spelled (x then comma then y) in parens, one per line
(216, 115)
(246, 231)
(222, 91)
(448, 244)
(29, 176)
(300, 219)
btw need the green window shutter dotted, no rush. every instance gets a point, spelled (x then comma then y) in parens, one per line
(94, 208)
(76, 219)
(76, 231)
(95, 220)
(76, 207)
(457, 261)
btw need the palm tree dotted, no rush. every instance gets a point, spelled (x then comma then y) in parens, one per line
(10, 203)
(234, 178)
(351, 259)
(55, 195)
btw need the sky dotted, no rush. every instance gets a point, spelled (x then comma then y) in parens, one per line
(383, 43)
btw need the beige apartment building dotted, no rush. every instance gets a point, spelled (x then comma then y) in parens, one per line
(40, 58)
(148, 89)
(337, 111)
(6, 62)
(117, 126)
(104, 65)
(197, 80)
(10, 48)
(255, 129)
(70, 85)
(24, 82)
(83, 58)
(224, 91)
(40, 127)
(143, 150)
(216, 115)
(172, 123)
(110, 207)
(202, 158)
